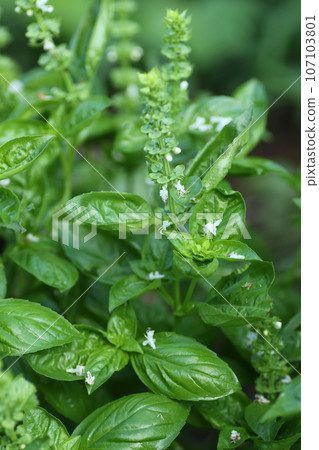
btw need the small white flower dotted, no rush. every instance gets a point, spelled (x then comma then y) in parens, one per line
(29, 12)
(5, 182)
(136, 54)
(17, 9)
(220, 122)
(184, 85)
(164, 194)
(236, 256)
(265, 332)
(78, 371)
(277, 325)
(251, 337)
(177, 150)
(286, 379)
(200, 125)
(31, 238)
(90, 379)
(261, 399)
(48, 45)
(149, 335)
(169, 157)
(165, 225)
(180, 188)
(211, 227)
(234, 437)
(149, 181)
(247, 285)
(15, 85)
(154, 276)
(42, 4)
(132, 91)
(111, 54)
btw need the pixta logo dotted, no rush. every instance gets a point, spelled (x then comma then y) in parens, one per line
(68, 227)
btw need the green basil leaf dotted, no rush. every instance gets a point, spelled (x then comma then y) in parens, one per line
(129, 288)
(267, 430)
(3, 281)
(253, 92)
(45, 266)
(225, 442)
(192, 186)
(16, 128)
(157, 254)
(183, 369)
(288, 403)
(17, 154)
(27, 327)
(240, 251)
(41, 424)
(247, 292)
(95, 255)
(85, 113)
(129, 138)
(291, 336)
(103, 363)
(222, 165)
(99, 35)
(280, 444)
(89, 40)
(194, 269)
(54, 362)
(139, 420)
(224, 411)
(217, 107)
(215, 147)
(9, 206)
(71, 399)
(256, 166)
(121, 329)
(105, 209)
(71, 444)
(229, 207)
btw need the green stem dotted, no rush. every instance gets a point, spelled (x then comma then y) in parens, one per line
(177, 293)
(68, 80)
(67, 168)
(167, 297)
(168, 174)
(190, 291)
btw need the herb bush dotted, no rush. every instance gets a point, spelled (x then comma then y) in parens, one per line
(108, 321)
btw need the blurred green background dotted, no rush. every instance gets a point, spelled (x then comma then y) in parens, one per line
(233, 41)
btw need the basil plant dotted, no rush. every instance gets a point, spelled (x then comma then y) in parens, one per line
(135, 309)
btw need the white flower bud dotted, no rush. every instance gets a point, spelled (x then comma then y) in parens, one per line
(29, 12)
(5, 182)
(184, 85)
(169, 157)
(136, 54)
(277, 325)
(177, 150)
(17, 9)
(48, 45)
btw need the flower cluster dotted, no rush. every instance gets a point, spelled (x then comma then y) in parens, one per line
(165, 92)
(178, 69)
(158, 126)
(79, 371)
(42, 33)
(268, 362)
(124, 51)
